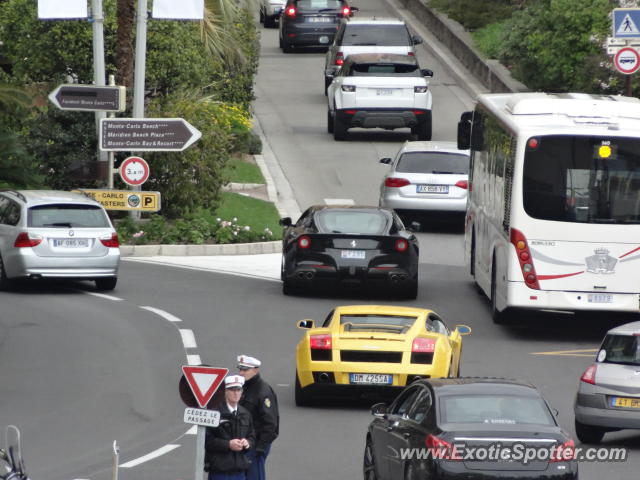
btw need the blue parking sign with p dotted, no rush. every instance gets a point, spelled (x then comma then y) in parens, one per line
(626, 23)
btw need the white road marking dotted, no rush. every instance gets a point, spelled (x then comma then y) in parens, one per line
(188, 338)
(284, 384)
(339, 201)
(163, 314)
(194, 360)
(149, 456)
(192, 431)
(107, 297)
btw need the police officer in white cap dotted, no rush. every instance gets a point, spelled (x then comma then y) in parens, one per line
(260, 399)
(228, 444)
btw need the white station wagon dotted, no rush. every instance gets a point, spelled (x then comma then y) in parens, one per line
(380, 90)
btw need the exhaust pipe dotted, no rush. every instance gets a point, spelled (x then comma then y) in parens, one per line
(324, 377)
(394, 278)
(309, 275)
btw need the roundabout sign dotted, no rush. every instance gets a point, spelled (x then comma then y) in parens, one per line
(627, 60)
(134, 171)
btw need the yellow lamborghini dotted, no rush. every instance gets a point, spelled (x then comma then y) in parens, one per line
(369, 349)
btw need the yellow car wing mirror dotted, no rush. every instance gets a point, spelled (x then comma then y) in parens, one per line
(306, 323)
(463, 329)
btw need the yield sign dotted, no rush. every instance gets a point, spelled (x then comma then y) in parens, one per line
(204, 381)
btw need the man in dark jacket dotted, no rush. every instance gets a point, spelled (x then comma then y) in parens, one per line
(261, 401)
(227, 444)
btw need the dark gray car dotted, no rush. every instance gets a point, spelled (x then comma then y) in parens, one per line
(608, 396)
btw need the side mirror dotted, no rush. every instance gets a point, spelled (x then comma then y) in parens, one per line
(555, 412)
(386, 161)
(285, 222)
(464, 131)
(415, 226)
(463, 329)
(306, 323)
(379, 410)
(355, 9)
(416, 39)
(426, 72)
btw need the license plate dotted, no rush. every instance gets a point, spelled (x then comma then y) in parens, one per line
(384, 91)
(360, 254)
(370, 378)
(625, 402)
(432, 188)
(600, 298)
(71, 242)
(319, 19)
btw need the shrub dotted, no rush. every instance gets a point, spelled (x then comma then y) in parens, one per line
(476, 14)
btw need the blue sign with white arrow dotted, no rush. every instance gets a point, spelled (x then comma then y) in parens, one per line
(626, 23)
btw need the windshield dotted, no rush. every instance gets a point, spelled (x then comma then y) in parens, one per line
(622, 349)
(381, 35)
(352, 221)
(319, 4)
(582, 179)
(67, 216)
(384, 70)
(432, 162)
(494, 409)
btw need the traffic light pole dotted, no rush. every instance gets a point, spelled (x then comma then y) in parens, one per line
(98, 62)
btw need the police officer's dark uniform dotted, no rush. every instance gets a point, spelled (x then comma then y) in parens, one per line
(220, 461)
(260, 400)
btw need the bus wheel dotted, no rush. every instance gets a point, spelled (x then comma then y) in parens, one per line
(499, 318)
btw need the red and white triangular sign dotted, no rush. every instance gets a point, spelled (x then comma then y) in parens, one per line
(204, 381)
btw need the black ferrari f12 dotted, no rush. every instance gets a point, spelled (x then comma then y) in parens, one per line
(346, 245)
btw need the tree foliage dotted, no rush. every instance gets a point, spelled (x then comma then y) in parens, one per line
(556, 45)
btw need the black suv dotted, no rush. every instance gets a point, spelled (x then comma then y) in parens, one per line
(311, 23)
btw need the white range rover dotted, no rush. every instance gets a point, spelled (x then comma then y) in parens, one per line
(380, 91)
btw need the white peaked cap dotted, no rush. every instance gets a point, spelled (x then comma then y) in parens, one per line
(248, 362)
(231, 381)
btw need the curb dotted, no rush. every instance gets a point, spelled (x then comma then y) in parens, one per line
(258, 248)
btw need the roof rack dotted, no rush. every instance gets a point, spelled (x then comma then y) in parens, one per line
(15, 192)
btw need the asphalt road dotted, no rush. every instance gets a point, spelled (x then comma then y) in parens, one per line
(79, 370)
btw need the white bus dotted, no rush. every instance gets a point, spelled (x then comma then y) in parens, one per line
(553, 212)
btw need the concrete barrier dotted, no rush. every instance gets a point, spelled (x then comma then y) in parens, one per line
(493, 75)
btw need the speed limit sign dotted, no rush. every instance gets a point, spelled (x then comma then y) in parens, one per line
(134, 171)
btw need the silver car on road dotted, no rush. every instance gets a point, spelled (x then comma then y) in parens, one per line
(608, 397)
(52, 234)
(426, 177)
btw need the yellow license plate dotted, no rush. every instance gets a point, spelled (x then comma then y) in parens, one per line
(625, 402)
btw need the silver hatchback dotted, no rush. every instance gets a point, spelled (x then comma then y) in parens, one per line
(426, 177)
(51, 234)
(608, 397)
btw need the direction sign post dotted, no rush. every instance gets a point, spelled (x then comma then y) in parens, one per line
(89, 98)
(146, 134)
(203, 381)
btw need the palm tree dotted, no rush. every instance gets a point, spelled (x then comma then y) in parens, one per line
(13, 97)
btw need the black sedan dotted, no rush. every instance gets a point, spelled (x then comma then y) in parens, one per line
(347, 245)
(311, 23)
(468, 428)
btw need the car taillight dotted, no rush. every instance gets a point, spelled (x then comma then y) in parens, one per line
(525, 259)
(394, 182)
(346, 11)
(564, 452)
(111, 242)
(291, 12)
(304, 242)
(462, 184)
(421, 89)
(348, 88)
(401, 245)
(589, 375)
(320, 342)
(423, 345)
(24, 240)
(440, 449)
(339, 58)
(411, 54)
